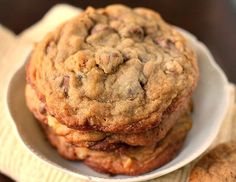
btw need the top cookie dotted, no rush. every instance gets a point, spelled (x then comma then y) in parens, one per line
(114, 69)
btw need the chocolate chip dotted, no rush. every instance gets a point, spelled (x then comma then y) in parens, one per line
(113, 55)
(159, 41)
(169, 43)
(132, 31)
(143, 58)
(137, 31)
(79, 77)
(65, 85)
(108, 59)
(165, 43)
(99, 28)
(42, 108)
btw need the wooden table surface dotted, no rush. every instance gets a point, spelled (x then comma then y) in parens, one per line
(212, 21)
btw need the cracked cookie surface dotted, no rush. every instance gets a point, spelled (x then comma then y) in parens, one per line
(114, 69)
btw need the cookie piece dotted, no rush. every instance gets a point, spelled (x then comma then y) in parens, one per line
(99, 140)
(114, 69)
(219, 165)
(128, 160)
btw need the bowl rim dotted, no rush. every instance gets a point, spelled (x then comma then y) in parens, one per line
(143, 177)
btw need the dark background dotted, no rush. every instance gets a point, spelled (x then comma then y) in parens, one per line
(212, 21)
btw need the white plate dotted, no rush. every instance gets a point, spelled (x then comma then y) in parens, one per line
(210, 100)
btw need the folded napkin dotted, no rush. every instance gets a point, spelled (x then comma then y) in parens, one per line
(15, 160)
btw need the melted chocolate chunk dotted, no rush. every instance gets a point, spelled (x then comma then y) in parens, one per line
(42, 108)
(65, 85)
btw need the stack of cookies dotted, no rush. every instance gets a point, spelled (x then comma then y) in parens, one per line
(112, 87)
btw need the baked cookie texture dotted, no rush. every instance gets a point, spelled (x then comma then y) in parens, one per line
(113, 69)
(100, 140)
(112, 87)
(219, 165)
(127, 160)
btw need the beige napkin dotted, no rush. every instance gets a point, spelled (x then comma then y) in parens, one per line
(19, 163)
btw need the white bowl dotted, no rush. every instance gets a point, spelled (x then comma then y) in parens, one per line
(210, 104)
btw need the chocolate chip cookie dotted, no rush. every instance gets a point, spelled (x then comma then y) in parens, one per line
(128, 160)
(219, 165)
(100, 140)
(114, 69)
